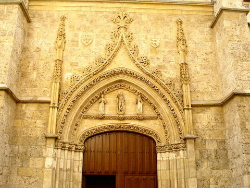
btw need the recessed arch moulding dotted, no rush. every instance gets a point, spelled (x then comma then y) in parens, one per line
(162, 118)
(72, 119)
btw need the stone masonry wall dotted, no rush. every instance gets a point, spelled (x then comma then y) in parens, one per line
(211, 152)
(7, 111)
(12, 30)
(218, 60)
(232, 31)
(237, 119)
(27, 144)
(12, 35)
(39, 51)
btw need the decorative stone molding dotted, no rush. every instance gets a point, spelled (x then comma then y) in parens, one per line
(184, 77)
(120, 127)
(55, 88)
(69, 146)
(120, 117)
(181, 40)
(60, 46)
(123, 19)
(155, 41)
(184, 73)
(21, 4)
(87, 39)
(182, 49)
(92, 75)
(116, 72)
(164, 148)
(227, 9)
(112, 88)
(118, 38)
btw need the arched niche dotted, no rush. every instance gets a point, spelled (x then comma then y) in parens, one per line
(86, 93)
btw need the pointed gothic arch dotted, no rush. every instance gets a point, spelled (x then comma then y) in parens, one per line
(82, 98)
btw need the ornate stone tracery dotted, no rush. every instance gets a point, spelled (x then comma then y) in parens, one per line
(116, 72)
(94, 84)
(92, 75)
(112, 88)
(120, 37)
(119, 127)
(184, 76)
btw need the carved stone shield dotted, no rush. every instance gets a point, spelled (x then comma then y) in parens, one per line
(155, 42)
(87, 39)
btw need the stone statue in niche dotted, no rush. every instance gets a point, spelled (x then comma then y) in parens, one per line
(121, 104)
(139, 104)
(102, 103)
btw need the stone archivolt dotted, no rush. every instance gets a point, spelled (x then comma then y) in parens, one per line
(132, 89)
(139, 80)
(75, 101)
(120, 127)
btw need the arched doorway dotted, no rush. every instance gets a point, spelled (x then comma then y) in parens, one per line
(119, 160)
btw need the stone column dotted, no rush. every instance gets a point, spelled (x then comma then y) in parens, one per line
(67, 166)
(176, 168)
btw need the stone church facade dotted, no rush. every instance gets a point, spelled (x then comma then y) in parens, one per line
(175, 72)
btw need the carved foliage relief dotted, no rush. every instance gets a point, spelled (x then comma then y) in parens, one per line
(83, 115)
(93, 75)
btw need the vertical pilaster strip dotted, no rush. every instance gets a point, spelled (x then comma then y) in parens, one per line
(72, 166)
(64, 169)
(78, 162)
(58, 158)
(191, 176)
(55, 89)
(185, 80)
(60, 46)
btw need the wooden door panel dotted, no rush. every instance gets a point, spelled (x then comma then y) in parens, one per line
(140, 181)
(129, 156)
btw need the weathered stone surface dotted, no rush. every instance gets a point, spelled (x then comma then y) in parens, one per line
(218, 62)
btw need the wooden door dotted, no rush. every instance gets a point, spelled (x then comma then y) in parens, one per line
(129, 156)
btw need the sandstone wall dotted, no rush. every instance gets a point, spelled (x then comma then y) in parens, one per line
(27, 143)
(232, 31)
(218, 60)
(12, 33)
(211, 150)
(7, 109)
(236, 114)
(96, 22)
(12, 39)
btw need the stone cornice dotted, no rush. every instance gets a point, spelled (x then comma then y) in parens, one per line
(136, 1)
(222, 9)
(223, 101)
(21, 4)
(173, 7)
(226, 99)
(4, 87)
